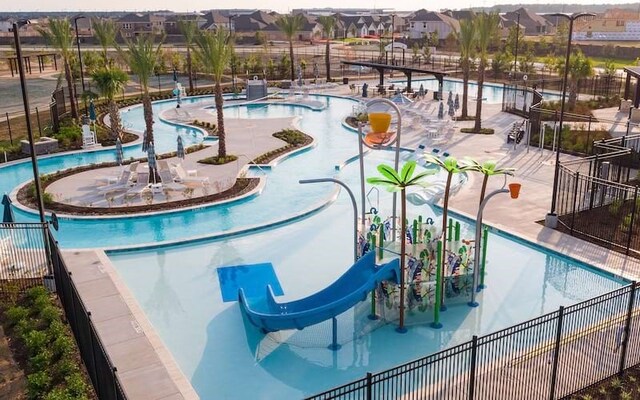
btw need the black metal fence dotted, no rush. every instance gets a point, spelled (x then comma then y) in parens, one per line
(549, 357)
(103, 374)
(23, 257)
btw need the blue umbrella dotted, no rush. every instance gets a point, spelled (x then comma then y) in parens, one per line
(151, 159)
(175, 75)
(145, 145)
(456, 103)
(92, 111)
(441, 111)
(180, 150)
(119, 153)
(451, 110)
(450, 98)
(8, 211)
(421, 90)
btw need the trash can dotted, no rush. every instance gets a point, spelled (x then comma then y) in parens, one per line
(436, 95)
(345, 81)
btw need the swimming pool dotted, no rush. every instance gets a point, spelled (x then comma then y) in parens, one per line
(491, 92)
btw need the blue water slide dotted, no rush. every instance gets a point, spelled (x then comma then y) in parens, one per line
(352, 287)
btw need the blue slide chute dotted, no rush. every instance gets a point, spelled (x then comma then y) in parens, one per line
(352, 287)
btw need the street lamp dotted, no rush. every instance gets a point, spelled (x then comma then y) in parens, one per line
(551, 221)
(393, 29)
(515, 61)
(84, 98)
(27, 116)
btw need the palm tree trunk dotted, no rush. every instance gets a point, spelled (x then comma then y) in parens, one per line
(478, 124)
(114, 120)
(465, 89)
(327, 60)
(445, 215)
(403, 246)
(189, 70)
(293, 74)
(148, 115)
(573, 95)
(72, 97)
(222, 145)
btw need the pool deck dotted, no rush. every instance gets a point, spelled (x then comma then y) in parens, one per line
(147, 369)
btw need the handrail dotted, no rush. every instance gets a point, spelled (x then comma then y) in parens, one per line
(252, 163)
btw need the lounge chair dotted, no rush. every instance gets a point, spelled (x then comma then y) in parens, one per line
(183, 177)
(141, 186)
(121, 185)
(104, 180)
(168, 181)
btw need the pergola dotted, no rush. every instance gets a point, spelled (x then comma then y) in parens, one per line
(407, 71)
(632, 72)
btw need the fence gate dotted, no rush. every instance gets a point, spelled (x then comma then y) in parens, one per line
(57, 108)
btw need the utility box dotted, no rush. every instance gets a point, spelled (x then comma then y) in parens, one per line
(256, 89)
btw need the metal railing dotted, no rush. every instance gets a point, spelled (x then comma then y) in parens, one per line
(23, 257)
(550, 357)
(103, 374)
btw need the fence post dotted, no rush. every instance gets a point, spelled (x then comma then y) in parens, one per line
(97, 384)
(627, 328)
(589, 137)
(633, 217)
(556, 354)
(9, 127)
(369, 386)
(472, 370)
(39, 125)
(575, 199)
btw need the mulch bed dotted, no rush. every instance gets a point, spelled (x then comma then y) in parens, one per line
(273, 154)
(626, 387)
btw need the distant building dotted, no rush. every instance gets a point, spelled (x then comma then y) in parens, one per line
(533, 23)
(6, 24)
(614, 24)
(132, 25)
(424, 22)
(171, 26)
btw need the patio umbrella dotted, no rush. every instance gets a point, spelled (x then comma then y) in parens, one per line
(119, 153)
(180, 150)
(8, 212)
(151, 159)
(456, 102)
(92, 111)
(441, 111)
(450, 98)
(315, 70)
(421, 90)
(401, 99)
(145, 145)
(451, 111)
(175, 75)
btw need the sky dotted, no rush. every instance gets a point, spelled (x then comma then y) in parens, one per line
(277, 5)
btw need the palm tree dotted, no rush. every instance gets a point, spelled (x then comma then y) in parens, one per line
(488, 169)
(395, 182)
(290, 25)
(189, 29)
(110, 81)
(215, 51)
(142, 57)
(450, 164)
(328, 24)
(59, 35)
(466, 38)
(486, 26)
(580, 67)
(105, 31)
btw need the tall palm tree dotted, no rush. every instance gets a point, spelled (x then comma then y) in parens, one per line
(59, 35)
(289, 25)
(189, 29)
(105, 31)
(466, 38)
(110, 81)
(215, 51)
(328, 23)
(580, 67)
(486, 26)
(450, 164)
(395, 182)
(142, 55)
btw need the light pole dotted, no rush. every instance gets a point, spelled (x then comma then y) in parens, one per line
(515, 61)
(551, 221)
(27, 116)
(393, 30)
(84, 98)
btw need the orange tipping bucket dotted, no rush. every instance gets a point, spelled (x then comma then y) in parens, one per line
(379, 121)
(514, 190)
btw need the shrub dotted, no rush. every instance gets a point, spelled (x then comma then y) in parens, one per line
(40, 303)
(62, 346)
(63, 368)
(38, 291)
(56, 328)
(41, 361)
(49, 314)
(57, 394)
(35, 341)
(16, 314)
(37, 384)
(23, 327)
(76, 386)
(614, 208)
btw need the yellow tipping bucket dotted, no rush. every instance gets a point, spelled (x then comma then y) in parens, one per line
(379, 121)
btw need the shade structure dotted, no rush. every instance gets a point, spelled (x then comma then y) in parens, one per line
(456, 102)
(151, 160)
(145, 143)
(441, 111)
(7, 215)
(119, 152)
(92, 111)
(180, 150)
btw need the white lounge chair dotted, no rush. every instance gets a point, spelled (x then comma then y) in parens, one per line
(183, 177)
(168, 181)
(120, 185)
(105, 180)
(142, 185)
(88, 137)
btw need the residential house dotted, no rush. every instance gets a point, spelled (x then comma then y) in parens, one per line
(171, 26)
(423, 22)
(6, 24)
(133, 24)
(533, 23)
(614, 24)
